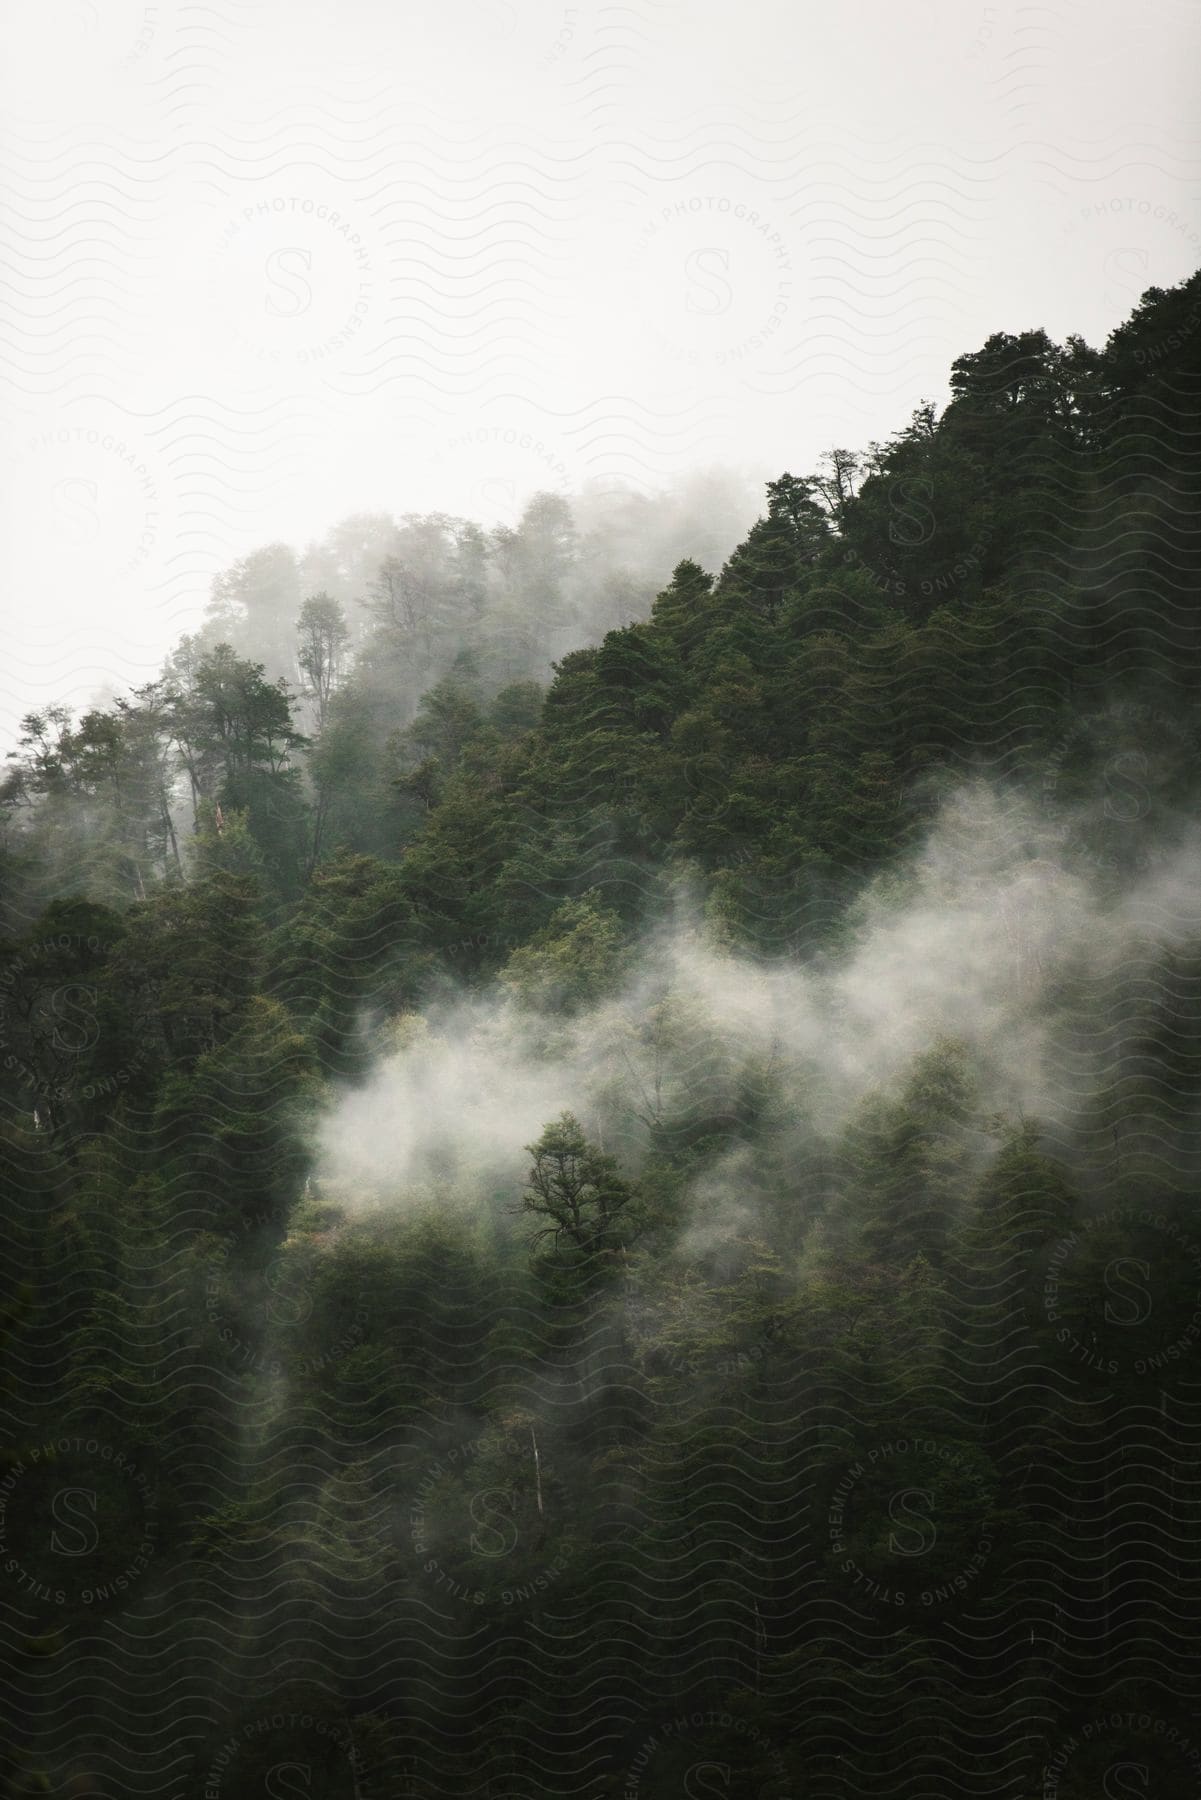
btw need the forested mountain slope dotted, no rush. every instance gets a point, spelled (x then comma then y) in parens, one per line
(635, 1235)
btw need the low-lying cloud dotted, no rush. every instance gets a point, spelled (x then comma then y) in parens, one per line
(971, 941)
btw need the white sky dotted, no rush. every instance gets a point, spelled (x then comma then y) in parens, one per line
(268, 262)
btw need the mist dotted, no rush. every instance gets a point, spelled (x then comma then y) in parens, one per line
(437, 259)
(600, 900)
(973, 940)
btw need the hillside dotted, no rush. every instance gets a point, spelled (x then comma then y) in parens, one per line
(600, 1148)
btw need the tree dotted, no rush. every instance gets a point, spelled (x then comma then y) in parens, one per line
(346, 954)
(572, 962)
(253, 606)
(412, 597)
(100, 792)
(532, 568)
(321, 651)
(448, 717)
(576, 1190)
(907, 1161)
(231, 1125)
(237, 743)
(778, 550)
(834, 485)
(191, 962)
(685, 605)
(66, 1030)
(791, 498)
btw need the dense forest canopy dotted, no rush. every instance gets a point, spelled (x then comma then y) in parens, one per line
(600, 1150)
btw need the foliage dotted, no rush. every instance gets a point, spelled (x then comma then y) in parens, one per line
(660, 1425)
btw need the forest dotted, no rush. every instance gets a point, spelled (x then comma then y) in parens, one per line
(600, 1138)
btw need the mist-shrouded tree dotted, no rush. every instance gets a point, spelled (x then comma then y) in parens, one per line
(323, 636)
(193, 961)
(229, 722)
(346, 953)
(238, 745)
(448, 718)
(532, 568)
(413, 598)
(575, 1191)
(101, 791)
(228, 1124)
(344, 562)
(538, 555)
(910, 1155)
(253, 607)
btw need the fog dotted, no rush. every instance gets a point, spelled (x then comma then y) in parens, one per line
(976, 941)
(270, 266)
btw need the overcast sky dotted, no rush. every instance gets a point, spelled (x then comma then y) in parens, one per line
(269, 262)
